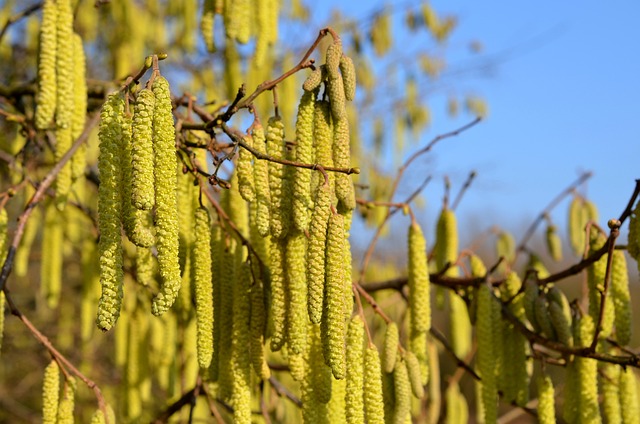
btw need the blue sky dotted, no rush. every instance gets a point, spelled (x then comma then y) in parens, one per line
(563, 98)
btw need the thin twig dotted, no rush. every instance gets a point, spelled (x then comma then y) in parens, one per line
(459, 362)
(15, 18)
(281, 390)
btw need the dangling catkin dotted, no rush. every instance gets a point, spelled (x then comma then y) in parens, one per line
(413, 367)
(278, 294)
(333, 319)
(109, 211)
(419, 284)
(296, 267)
(342, 159)
(486, 353)
(46, 97)
(595, 282)
(609, 379)
(50, 393)
(577, 221)
(546, 401)
(390, 351)
(258, 324)
(315, 78)
(586, 374)
(554, 243)
(316, 252)
(355, 374)
(629, 397)
(142, 191)
(207, 23)
(402, 390)
(203, 288)
(261, 182)
(78, 160)
(323, 143)
(65, 408)
(165, 194)
(245, 171)
(619, 291)
(240, 356)
(349, 77)
(373, 403)
(278, 184)
(302, 202)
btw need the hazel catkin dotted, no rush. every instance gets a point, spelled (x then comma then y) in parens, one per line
(373, 402)
(302, 202)
(203, 288)
(142, 191)
(316, 253)
(391, 340)
(261, 182)
(50, 393)
(245, 171)
(419, 284)
(355, 373)
(46, 97)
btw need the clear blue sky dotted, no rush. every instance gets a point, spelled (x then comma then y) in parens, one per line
(564, 97)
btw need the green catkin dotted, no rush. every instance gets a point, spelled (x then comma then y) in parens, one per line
(145, 266)
(486, 352)
(349, 77)
(278, 183)
(203, 288)
(355, 374)
(390, 351)
(207, 24)
(609, 379)
(402, 391)
(446, 249)
(261, 181)
(419, 284)
(302, 202)
(546, 400)
(52, 258)
(323, 142)
(595, 282)
(388, 396)
(506, 247)
(65, 408)
(240, 356)
(418, 346)
(296, 365)
(319, 373)
(258, 324)
(78, 160)
(531, 293)
(342, 159)
(619, 290)
(316, 252)
(245, 171)
(50, 393)
(296, 266)
(315, 78)
(629, 397)
(543, 318)
(217, 255)
(332, 58)
(577, 221)
(333, 319)
(373, 402)
(561, 326)
(46, 97)
(278, 294)
(586, 374)
(413, 366)
(554, 243)
(64, 95)
(165, 194)
(142, 191)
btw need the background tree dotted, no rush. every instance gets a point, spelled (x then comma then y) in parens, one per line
(189, 190)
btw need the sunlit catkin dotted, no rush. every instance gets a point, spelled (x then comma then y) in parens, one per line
(419, 284)
(50, 393)
(554, 243)
(373, 403)
(67, 402)
(52, 259)
(390, 351)
(261, 182)
(342, 159)
(609, 383)
(316, 252)
(349, 77)
(203, 289)
(258, 324)
(586, 374)
(46, 97)
(165, 194)
(577, 221)
(415, 374)
(207, 23)
(546, 400)
(296, 266)
(621, 298)
(595, 282)
(355, 374)
(78, 160)
(315, 78)
(278, 294)
(486, 353)
(302, 202)
(109, 211)
(629, 397)
(240, 355)
(278, 184)
(142, 191)
(333, 319)
(402, 391)
(245, 171)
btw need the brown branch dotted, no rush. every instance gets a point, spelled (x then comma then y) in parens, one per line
(186, 399)
(38, 196)
(281, 390)
(459, 362)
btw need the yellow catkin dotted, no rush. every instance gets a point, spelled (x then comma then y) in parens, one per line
(278, 294)
(64, 95)
(531, 293)
(315, 78)
(323, 142)
(278, 181)
(245, 171)
(609, 379)
(419, 347)
(349, 77)
(554, 243)
(621, 298)
(317, 382)
(145, 266)
(302, 202)
(586, 374)
(419, 284)
(546, 400)
(402, 391)
(52, 256)
(217, 255)
(67, 402)
(316, 252)
(258, 324)
(296, 266)
(629, 397)
(633, 244)
(207, 24)
(165, 194)
(577, 221)
(78, 160)
(342, 159)
(486, 352)
(595, 282)
(373, 402)
(333, 318)
(240, 356)
(46, 98)
(390, 351)
(142, 191)
(203, 288)
(506, 246)
(355, 374)
(560, 314)
(413, 366)
(50, 393)
(109, 211)
(261, 181)
(543, 318)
